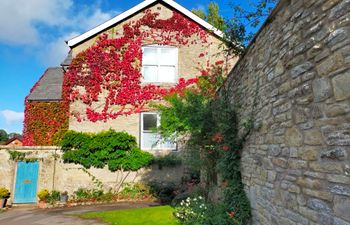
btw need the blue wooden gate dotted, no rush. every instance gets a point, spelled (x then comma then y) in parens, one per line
(26, 182)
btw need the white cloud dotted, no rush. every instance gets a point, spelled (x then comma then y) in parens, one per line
(12, 116)
(45, 25)
(55, 52)
(19, 19)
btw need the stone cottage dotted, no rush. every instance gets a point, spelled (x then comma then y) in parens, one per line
(174, 44)
(107, 81)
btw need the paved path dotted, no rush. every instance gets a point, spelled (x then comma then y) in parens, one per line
(62, 216)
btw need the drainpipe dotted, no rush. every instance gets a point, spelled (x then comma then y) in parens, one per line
(54, 170)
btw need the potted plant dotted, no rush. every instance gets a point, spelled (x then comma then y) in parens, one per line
(43, 195)
(64, 197)
(4, 195)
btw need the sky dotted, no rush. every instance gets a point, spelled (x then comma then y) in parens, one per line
(32, 39)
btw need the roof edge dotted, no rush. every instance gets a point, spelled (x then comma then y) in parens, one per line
(76, 40)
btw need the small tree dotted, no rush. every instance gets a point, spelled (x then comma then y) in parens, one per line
(116, 150)
(212, 16)
(3, 136)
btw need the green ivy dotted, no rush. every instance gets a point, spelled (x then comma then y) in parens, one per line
(21, 156)
(117, 150)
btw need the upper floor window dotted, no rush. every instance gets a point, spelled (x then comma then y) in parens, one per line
(159, 64)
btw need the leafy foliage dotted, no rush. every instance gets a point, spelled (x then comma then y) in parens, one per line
(43, 195)
(44, 122)
(85, 195)
(135, 191)
(211, 122)
(196, 211)
(3, 135)
(4, 193)
(212, 16)
(49, 197)
(164, 191)
(117, 150)
(111, 68)
(246, 19)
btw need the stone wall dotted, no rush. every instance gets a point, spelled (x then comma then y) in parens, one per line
(296, 162)
(56, 175)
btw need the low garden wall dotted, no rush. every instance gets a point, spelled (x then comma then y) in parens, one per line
(295, 78)
(55, 175)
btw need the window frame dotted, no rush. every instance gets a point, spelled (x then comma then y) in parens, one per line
(159, 146)
(158, 65)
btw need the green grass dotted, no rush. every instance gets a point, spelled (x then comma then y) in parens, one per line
(160, 215)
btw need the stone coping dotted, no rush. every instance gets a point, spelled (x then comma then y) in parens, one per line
(27, 148)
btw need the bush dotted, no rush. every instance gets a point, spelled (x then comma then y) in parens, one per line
(84, 195)
(135, 191)
(164, 192)
(117, 150)
(196, 211)
(50, 197)
(43, 195)
(4, 193)
(53, 197)
(191, 211)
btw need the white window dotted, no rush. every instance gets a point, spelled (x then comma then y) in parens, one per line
(159, 64)
(150, 139)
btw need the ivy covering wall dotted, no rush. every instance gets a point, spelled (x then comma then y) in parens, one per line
(106, 77)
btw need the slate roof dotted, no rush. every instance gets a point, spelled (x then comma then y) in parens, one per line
(49, 87)
(68, 60)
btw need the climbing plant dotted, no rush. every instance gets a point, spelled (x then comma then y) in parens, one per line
(208, 117)
(106, 77)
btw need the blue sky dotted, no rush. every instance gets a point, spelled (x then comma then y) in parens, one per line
(32, 38)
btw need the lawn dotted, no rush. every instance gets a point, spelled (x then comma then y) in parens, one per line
(160, 215)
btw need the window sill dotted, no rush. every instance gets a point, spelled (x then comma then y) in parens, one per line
(161, 84)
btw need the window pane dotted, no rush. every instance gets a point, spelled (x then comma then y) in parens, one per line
(150, 56)
(168, 144)
(150, 73)
(166, 74)
(150, 140)
(168, 56)
(149, 122)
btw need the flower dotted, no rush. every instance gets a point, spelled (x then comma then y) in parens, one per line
(219, 62)
(232, 214)
(218, 137)
(225, 148)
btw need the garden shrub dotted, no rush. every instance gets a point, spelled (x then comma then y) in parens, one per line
(43, 195)
(165, 192)
(4, 193)
(117, 150)
(135, 191)
(85, 195)
(209, 119)
(53, 197)
(196, 211)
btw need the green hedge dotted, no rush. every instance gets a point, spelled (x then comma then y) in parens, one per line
(117, 150)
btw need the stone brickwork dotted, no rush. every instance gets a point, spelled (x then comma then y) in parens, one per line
(56, 175)
(296, 162)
